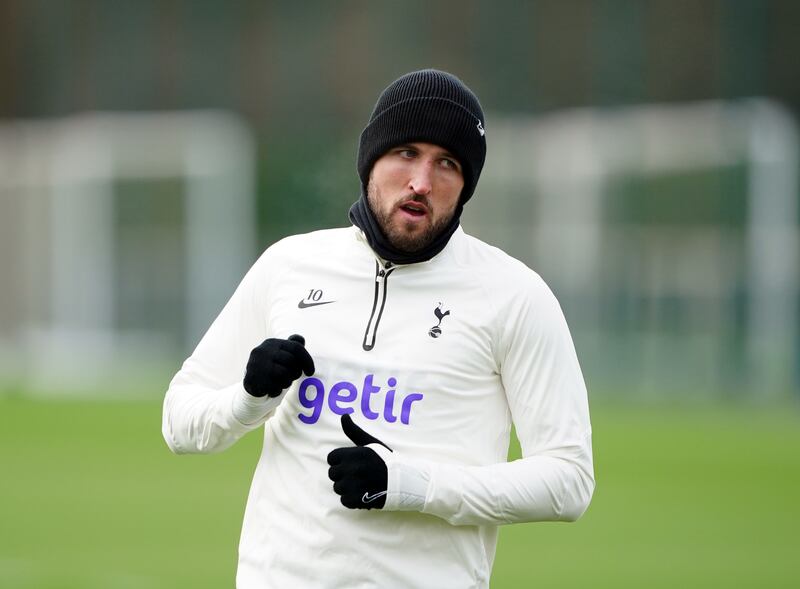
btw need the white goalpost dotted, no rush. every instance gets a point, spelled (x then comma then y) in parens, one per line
(545, 196)
(655, 308)
(57, 193)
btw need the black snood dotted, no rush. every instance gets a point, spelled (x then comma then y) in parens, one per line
(362, 217)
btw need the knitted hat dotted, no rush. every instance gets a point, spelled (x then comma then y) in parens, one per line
(429, 106)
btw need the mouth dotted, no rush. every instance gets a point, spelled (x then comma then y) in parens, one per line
(414, 208)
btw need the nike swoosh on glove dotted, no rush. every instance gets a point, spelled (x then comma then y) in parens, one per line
(275, 364)
(359, 474)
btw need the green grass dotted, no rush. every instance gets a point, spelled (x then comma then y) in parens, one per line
(90, 497)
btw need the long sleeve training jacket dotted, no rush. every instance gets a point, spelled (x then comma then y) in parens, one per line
(437, 359)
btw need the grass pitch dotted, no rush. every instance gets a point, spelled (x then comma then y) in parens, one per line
(91, 498)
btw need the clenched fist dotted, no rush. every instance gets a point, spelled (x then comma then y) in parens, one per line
(275, 364)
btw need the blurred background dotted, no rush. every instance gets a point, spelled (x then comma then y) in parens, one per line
(643, 158)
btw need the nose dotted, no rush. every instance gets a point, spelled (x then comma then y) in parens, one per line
(420, 181)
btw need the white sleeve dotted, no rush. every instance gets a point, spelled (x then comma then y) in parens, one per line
(554, 480)
(206, 408)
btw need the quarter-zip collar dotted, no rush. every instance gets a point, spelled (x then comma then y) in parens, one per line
(382, 271)
(446, 253)
(383, 268)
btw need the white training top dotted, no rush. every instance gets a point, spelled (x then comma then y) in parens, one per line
(435, 359)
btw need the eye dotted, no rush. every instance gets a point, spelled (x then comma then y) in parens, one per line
(406, 152)
(450, 164)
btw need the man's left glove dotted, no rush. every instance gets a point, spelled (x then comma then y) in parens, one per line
(358, 473)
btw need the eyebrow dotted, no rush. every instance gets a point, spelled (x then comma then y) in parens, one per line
(451, 156)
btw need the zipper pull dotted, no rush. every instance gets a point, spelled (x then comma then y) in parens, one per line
(383, 271)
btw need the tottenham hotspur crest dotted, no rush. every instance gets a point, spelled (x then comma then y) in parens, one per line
(436, 330)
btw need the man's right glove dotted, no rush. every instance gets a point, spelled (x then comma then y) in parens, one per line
(275, 364)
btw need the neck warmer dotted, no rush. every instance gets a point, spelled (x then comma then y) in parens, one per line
(362, 217)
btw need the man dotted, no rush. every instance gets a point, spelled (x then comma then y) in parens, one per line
(386, 362)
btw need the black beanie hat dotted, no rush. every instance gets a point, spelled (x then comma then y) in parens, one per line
(429, 106)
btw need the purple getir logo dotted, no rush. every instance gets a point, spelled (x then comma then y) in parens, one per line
(345, 397)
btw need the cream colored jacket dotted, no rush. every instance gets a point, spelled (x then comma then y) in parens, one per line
(436, 359)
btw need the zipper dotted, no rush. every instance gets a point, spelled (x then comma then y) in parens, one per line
(378, 303)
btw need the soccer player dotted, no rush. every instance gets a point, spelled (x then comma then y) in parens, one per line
(386, 362)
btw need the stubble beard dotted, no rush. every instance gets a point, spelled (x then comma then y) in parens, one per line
(396, 231)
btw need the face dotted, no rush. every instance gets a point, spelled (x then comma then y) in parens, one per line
(413, 192)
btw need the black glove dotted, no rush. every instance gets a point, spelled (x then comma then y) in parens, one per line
(275, 364)
(359, 475)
